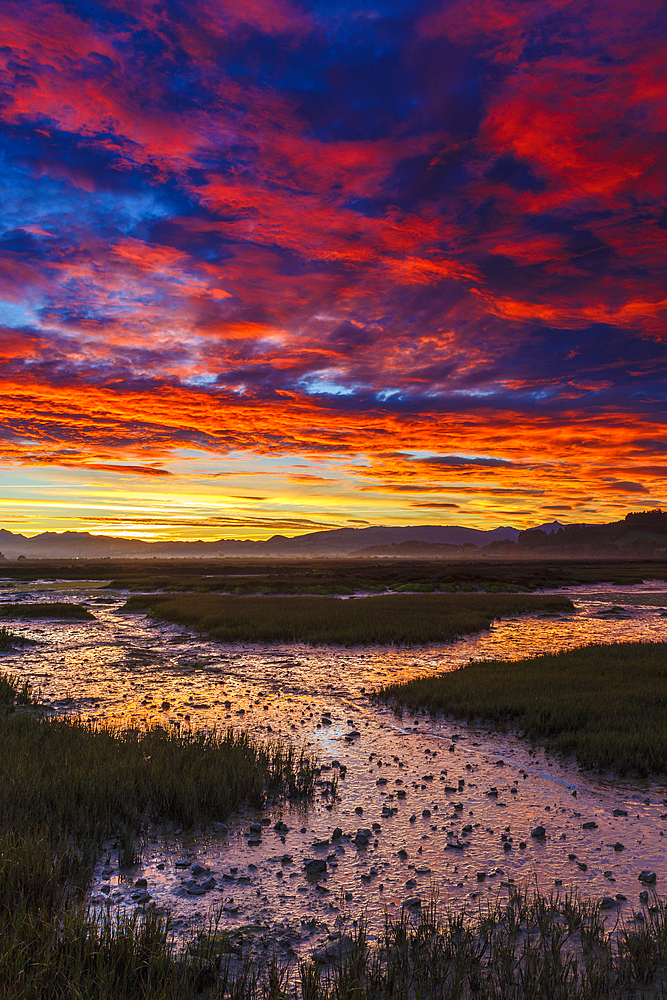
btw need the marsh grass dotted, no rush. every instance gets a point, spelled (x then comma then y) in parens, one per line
(403, 619)
(604, 702)
(61, 610)
(10, 640)
(524, 946)
(66, 786)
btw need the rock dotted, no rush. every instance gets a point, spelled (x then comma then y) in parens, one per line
(209, 884)
(315, 867)
(141, 883)
(618, 846)
(620, 812)
(539, 833)
(255, 828)
(337, 834)
(195, 890)
(140, 897)
(254, 841)
(608, 903)
(426, 813)
(220, 828)
(334, 950)
(281, 827)
(412, 903)
(591, 825)
(647, 877)
(362, 837)
(403, 854)
(381, 781)
(183, 864)
(643, 896)
(481, 876)
(198, 870)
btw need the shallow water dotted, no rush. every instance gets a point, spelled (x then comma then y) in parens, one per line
(127, 668)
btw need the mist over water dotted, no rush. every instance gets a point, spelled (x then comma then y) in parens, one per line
(424, 783)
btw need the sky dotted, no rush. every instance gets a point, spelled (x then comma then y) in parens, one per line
(270, 266)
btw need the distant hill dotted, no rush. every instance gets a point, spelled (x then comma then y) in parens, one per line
(638, 534)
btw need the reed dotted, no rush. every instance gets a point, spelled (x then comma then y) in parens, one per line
(405, 619)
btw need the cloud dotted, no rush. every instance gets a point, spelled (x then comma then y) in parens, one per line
(268, 226)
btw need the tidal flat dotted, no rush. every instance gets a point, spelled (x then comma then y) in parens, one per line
(443, 807)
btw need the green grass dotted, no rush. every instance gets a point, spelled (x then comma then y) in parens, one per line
(604, 703)
(405, 619)
(66, 786)
(60, 610)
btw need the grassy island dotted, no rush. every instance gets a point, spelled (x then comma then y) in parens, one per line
(60, 610)
(605, 703)
(404, 619)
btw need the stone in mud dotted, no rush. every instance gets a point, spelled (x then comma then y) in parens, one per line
(281, 827)
(209, 884)
(255, 828)
(333, 950)
(141, 883)
(183, 864)
(618, 846)
(337, 833)
(412, 903)
(620, 812)
(591, 825)
(647, 877)
(539, 833)
(315, 867)
(254, 841)
(643, 896)
(403, 854)
(140, 897)
(608, 903)
(198, 870)
(362, 837)
(220, 828)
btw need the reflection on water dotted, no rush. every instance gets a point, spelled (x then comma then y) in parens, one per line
(422, 788)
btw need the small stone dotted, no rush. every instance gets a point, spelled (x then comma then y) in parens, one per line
(591, 825)
(620, 812)
(539, 833)
(618, 846)
(141, 883)
(198, 870)
(337, 834)
(608, 903)
(647, 877)
(315, 867)
(412, 903)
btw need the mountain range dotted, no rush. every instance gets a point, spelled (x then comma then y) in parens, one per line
(336, 542)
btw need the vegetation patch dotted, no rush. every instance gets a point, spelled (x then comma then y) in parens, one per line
(60, 610)
(524, 947)
(604, 703)
(10, 640)
(405, 619)
(67, 785)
